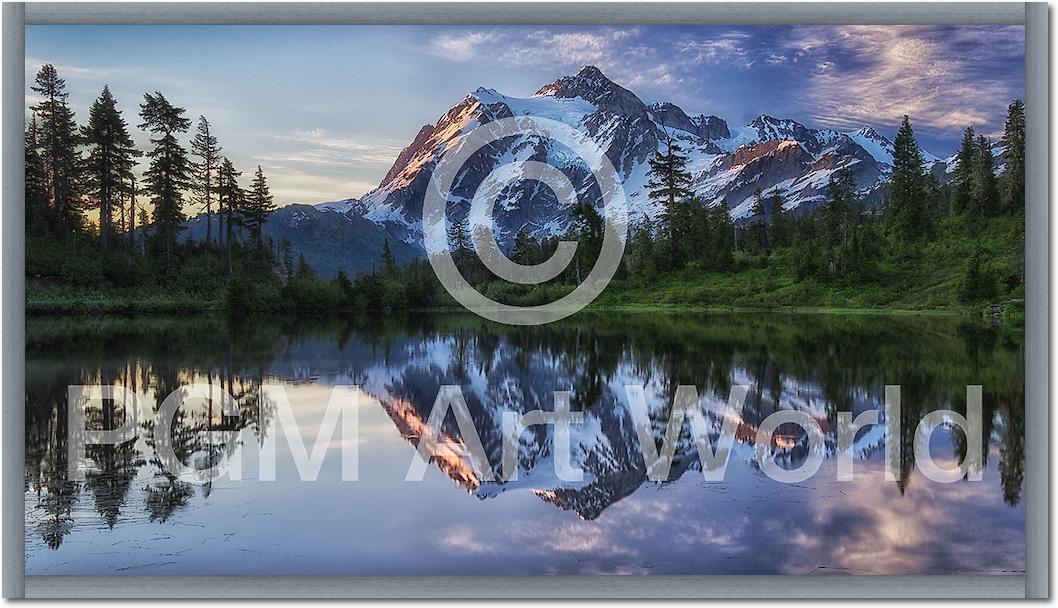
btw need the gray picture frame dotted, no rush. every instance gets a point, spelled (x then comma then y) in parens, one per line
(1033, 584)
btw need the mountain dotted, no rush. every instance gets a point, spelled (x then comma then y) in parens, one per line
(332, 236)
(727, 165)
(773, 154)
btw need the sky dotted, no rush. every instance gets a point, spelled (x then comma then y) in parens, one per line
(325, 110)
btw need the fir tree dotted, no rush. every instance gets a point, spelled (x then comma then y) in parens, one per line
(640, 260)
(389, 263)
(588, 227)
(963, 177)
(985, 191)
(111, 158)
(669, 184)
(286, 253)
(230, 202)
(522, 252)
(59, 139)
(36, 184)
(838, 219)
(721, 244)
(169, 171)
(907, 207)
(756, 233)
(258, 207)
(206, 148)
(779, 228)
(459, 237)
(977, 282)
(304, 271)
(345, 287)
(1014, 157)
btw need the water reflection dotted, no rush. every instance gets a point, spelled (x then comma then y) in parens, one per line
(819, 364)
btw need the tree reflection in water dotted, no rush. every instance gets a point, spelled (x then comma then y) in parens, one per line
(820, 364)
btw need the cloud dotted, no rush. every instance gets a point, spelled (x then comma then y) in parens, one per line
(944, 78)
(65, 70)
(318, 146)
(729, 49)
(461, 47)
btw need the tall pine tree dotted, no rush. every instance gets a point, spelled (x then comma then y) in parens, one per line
(756, 241)
(230, 201)
(963, 177)
(108, 166)
(985, 192)
(36, 184)
(169, 172)
(58, 138)
(670, 184)
(259, 206)
(1014, 157)
(389, 263)
(207, 150)
(908, 206)
(779, 227)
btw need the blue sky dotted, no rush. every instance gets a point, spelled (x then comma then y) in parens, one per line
(326, 109)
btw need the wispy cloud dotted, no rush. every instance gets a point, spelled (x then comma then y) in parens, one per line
(320, 147)
(943, 78)
(462, 46)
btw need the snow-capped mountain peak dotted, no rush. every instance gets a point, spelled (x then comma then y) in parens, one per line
(591, 85)
(876, 144)
(774, 155)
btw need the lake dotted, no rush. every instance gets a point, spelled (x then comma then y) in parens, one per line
(130, 516)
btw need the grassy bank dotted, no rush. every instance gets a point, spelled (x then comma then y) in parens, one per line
(929, 276)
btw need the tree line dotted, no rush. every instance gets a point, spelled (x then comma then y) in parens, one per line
(845, 241)
(72, 170)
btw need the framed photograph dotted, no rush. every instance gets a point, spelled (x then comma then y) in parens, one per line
(449, 300)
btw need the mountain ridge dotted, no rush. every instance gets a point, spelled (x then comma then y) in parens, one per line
(727, 166)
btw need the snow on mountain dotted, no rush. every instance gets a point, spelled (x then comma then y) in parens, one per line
(342, 206)
(881, 148)
(728, 166)
(877, 145)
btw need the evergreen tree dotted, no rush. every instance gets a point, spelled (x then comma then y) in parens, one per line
(206, 148)
(522, 252)
(1014, 157)
(286, 253)
(110, 160)
(907, 208)
(59, 139)
(838, 220)
(345, 287)
(669, 184)
(169, 171)
(389, 263)
(779, 228)
(756, 233)
(36, 184)
(985, 190)
(721, 244)
(977, 282)
(258, 206)
(230, 202)
(588, 227)
(304, 271)
(459, 237)
(963, 177)
(640, 260)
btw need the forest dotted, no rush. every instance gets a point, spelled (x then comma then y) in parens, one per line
(929, 246)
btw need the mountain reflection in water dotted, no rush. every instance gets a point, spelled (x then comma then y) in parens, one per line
(130, 516)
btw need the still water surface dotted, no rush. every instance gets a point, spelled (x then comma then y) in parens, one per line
(130, 517)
